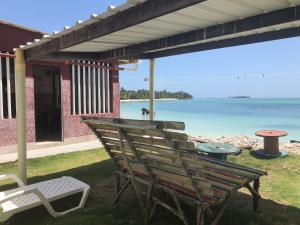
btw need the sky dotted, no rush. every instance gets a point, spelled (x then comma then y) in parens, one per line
(270, 69)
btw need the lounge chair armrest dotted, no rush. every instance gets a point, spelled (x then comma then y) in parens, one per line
(20, 193)
(14, 177)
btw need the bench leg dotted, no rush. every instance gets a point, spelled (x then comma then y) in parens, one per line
(220, 214)
(149, 198)
(122, 190)
(255, 193)
(153, 209)
(118, 182)
(179, 209)
(200, 215)
(176, 211)
(256, 197)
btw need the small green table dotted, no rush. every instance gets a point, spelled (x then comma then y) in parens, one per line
(217, 150)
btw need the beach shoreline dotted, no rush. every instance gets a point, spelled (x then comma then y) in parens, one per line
(146, 100)
(246, 142)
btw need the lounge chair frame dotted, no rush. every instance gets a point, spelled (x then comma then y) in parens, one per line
(24, 190)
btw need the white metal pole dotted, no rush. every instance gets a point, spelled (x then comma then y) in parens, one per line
(84, 90)
(89, 89)
(151, 89)
(8, 87)
(79, 89)
(94, 89)
(21, 114)
(103, 89)
(108, 89)
(1, 89)
(99, 89)
(73, 89)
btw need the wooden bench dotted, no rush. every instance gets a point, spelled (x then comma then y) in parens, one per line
(155, 159)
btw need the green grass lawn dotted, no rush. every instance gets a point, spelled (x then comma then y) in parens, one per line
(280, 191)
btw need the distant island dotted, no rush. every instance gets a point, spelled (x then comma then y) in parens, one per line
(144, 94)
(239, 97)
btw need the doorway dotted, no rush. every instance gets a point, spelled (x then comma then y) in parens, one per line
(47, 94)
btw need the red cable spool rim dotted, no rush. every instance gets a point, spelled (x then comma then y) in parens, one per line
(271, 133)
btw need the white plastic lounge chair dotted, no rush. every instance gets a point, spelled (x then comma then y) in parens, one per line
(29, 196)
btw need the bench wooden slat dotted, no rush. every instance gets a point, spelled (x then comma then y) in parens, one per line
(154, 152)
(183, 181)
(172, 125)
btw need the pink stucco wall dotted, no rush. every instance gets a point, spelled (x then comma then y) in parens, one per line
(71, 123)
(30, 114)
(71, 126)
(8, 127)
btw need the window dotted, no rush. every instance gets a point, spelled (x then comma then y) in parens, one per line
(7, 86)
(91, 88)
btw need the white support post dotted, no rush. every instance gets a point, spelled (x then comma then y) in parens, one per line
(94, 90)
(151, 89)
(84, 90)
(79, 89)
(108, 89)
(8, 88)
(89, 89)
(73, 90)
(21, 115)
(99, 89)
(103, 89)
(1, 91)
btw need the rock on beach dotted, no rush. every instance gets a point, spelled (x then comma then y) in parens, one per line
(246, 142)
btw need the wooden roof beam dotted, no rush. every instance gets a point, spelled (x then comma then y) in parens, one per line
(251, 39)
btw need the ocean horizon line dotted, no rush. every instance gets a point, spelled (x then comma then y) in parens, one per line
(195, 98)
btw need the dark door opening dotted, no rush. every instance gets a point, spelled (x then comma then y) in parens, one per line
(47, 94)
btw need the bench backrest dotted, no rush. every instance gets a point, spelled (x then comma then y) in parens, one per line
(156, 151)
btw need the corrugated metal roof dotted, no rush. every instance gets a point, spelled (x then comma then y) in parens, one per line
(202, 15)
(111, 10)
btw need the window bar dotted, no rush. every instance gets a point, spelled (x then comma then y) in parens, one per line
(108, 89)
(84, 90)
(89, 88)
(1, 89)
(94, 90)
(73, 88)
(79, 90)
(16, 89)
(8, 87)
(103, 89)
(99, 89)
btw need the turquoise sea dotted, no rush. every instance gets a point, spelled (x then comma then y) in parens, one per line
(224, 117)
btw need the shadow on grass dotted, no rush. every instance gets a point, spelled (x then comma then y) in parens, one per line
(100, 211)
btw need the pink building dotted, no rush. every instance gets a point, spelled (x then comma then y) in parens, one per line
(57, 93)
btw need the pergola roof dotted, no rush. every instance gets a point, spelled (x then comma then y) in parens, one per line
(158, 28)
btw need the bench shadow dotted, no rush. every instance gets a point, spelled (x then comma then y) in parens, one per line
(100, 211)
